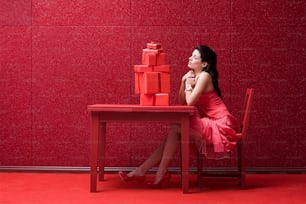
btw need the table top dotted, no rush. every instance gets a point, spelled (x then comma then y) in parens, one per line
(139, 108)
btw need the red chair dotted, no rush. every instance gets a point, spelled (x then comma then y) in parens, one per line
(240, 173)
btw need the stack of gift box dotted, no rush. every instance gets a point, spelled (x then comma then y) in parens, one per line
(152, 77)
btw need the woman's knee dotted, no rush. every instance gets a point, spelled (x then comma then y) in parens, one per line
(174, 129)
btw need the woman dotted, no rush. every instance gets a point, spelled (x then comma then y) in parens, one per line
(212, 125)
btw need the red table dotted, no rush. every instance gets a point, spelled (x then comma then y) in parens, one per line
(100, 114)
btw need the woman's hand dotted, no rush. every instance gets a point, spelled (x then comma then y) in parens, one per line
(189, 79)
(189, 74)
(190, 82)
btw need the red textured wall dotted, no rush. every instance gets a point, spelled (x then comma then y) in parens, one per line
(56, 57)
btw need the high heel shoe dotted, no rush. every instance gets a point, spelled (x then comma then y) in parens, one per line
(125, 178)
(162, 183)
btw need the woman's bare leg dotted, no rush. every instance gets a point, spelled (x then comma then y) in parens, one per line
(154, 159)
(162, 154)
(158, 154)
(171, 143)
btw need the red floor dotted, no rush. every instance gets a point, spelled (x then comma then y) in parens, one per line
(64, 188)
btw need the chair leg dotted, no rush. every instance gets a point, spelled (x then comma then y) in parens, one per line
(241, 165)
(242, 181)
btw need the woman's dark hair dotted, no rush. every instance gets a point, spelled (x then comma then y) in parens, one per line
(209, 56)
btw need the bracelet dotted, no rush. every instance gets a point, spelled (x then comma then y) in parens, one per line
(188, 88)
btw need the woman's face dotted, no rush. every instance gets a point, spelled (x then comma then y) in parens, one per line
(195, 61)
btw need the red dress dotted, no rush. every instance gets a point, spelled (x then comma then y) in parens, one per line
(216, 125)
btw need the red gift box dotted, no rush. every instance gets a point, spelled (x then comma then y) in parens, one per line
(161, 59)
(147, 99)
(149, 58)
(161, 99)
(146, 82)
(153, 45)
(136, 82)
(156, 51)
(162, 68)
(152, 78)
(143, 68)
(164, 82)
(158, 99)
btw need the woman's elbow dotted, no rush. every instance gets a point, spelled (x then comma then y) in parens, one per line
(190, 103)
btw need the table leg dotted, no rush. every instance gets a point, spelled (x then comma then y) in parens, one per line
(94, 132)
(185, 153)
(101, 146)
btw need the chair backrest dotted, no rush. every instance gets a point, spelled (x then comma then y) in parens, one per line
(246, 111)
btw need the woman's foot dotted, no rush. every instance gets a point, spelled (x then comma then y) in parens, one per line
(126, 178)
(163, 182)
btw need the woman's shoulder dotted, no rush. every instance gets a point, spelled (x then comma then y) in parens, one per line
(205, 80)
(204, 77)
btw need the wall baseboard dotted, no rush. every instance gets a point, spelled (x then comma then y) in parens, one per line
(72, 169)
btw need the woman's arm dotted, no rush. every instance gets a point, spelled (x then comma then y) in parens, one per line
(200, 85)
(182, 98)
